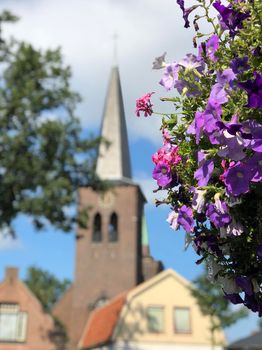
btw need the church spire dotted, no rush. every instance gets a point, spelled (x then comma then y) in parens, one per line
(113, 162)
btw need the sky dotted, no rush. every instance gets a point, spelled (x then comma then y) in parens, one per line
(84, 29)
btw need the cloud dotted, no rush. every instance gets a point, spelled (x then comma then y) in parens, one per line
(9, 243)
(84, 29)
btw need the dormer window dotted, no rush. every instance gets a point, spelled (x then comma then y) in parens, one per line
(97, 228)
(13, 323)
(113, 229)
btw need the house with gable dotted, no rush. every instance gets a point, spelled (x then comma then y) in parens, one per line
(23, 323)
(159, 314)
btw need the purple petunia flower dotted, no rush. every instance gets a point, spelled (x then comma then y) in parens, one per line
(234, 298)
(252, 130)
(186, 12)
(255, 164)
(237, 179)
(240, 65)
(230, 18)
(190, 62)
(162, 174)
(185, 218)
(203, 173)
(211, 47)
(188, 88)
(226, 77)
(259, 251)
(170, 76)
(198, 200)
(197, 125)
(218, 216)
(172, 220)
(218, 94)
(251, 303)
(232, 229)
(254, 91)
(232, 146)
(245, 284)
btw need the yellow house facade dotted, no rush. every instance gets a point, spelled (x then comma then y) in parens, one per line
(159, 314)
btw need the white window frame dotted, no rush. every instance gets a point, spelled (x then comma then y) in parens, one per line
(178, 330)
(17, 331)
(162, 324)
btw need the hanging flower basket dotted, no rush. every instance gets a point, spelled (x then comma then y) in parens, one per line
(210, 163)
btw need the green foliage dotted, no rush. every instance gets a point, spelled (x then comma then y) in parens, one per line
(212, 303)
(46, 287)
(44, 156)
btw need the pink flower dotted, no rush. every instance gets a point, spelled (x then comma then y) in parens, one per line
(143, 104)
(167, 154)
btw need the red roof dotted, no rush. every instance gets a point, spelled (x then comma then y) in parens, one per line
(101, 324)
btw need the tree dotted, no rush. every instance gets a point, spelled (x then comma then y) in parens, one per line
(46, 287)
(213, 303)
(44, 157)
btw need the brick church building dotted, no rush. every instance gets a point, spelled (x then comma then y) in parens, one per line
(112, 253)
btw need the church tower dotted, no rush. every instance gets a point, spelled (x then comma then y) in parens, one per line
(112, 254)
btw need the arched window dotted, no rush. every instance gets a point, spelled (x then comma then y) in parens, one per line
(97, 228)
(112, 228)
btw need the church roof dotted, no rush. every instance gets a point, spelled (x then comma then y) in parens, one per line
(113, 162)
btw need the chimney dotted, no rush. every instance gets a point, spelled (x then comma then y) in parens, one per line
(11, 275)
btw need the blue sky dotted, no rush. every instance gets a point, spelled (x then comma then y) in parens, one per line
(84, 29)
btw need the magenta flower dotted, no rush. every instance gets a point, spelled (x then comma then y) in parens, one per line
(185, 218)
(167, 154)
(254, 91)
(237, 178)
(212, 46)
(170, 76)
(143, 104)
(162, 174)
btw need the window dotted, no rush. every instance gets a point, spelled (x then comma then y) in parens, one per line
(13, 323)
(155, 319)
(182, 322)
(112, 228)
(97, 226)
